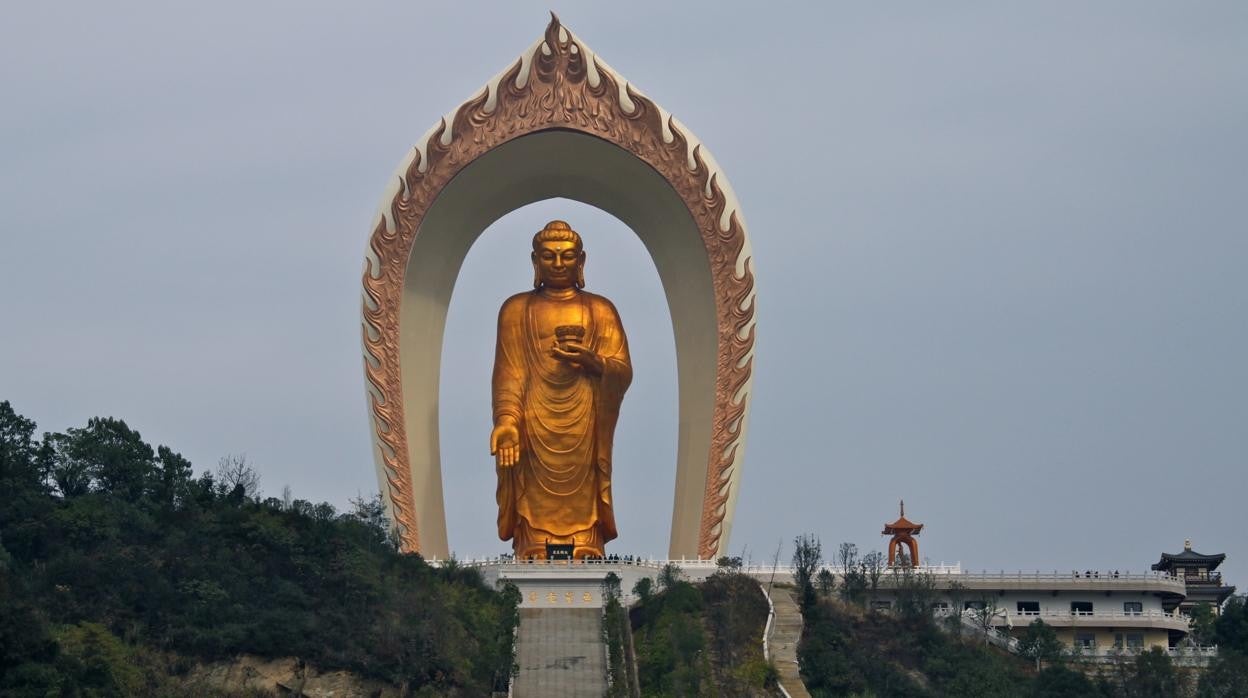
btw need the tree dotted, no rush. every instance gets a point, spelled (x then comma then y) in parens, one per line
(1231, 628)
(614, 623)
(643, 589)
(1040, 643)
(984, 612)
(237, 476)
(171, 486)
(957, 597)
(1060, 682)
(1153, 675)
(728, 564)
(71, 476)
(914, 592)
(611, 586)
(19, 452)
(98, 661)
(807, 558)
(1203, 620)
(872, 571)
(114, 456)
(669, 576)
(825, 582)
(1226, 677)
(24, 501)
(371, 512)
(853, 581)
(846, 556)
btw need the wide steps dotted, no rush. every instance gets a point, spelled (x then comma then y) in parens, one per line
(560, 652)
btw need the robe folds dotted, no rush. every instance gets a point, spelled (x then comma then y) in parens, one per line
(561, 484)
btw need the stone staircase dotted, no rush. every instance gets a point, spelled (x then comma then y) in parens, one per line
(786, 632)
(560, 652)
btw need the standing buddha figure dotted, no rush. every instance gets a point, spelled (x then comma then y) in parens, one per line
(561, 368)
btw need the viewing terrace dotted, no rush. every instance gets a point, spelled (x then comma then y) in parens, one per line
(943, 575)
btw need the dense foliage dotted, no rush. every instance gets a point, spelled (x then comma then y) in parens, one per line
(1227, 675)
(848, 651)
(111, 551)
(704, 639)
(617, 633)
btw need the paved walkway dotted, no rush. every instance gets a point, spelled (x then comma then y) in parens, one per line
(786, 631)
(561, 653)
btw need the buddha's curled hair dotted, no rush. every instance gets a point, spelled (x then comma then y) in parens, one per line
(557, 231)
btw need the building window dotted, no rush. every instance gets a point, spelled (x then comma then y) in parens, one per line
(1133, 608)
(940, 606)
(1080, 608)
(973, 606)
(1135, 641)
(1028, 608)
(882, 605)
(1085, 641)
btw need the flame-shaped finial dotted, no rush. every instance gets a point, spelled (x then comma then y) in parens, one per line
(552, 32)
(903, 508)
(560, 60)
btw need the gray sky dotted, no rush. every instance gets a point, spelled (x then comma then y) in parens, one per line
(1000, 254)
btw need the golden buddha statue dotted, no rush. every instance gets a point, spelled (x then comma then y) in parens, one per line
(561, 367)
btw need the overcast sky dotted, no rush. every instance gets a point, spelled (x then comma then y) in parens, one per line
(1000, 254)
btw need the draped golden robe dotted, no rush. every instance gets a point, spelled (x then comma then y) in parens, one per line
(560, 489)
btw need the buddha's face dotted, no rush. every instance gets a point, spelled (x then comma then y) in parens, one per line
(558, 264)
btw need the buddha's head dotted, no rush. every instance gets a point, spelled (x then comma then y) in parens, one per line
(558, 258)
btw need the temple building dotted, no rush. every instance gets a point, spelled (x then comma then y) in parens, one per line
(1202, 583)
(1095, 613)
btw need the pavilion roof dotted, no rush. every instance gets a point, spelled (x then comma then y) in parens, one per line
(902, 525)
(1188, 558)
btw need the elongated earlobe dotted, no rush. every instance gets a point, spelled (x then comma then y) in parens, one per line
(537, 277)
(580, 277)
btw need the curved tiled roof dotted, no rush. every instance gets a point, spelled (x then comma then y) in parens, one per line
(1188, 558)
(902, 524)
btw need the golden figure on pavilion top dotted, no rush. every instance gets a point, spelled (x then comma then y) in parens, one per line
(561, 368)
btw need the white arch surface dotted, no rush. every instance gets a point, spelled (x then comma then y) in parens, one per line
(570, 164)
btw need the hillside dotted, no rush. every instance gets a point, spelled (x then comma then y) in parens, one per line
(701, 639)
(120, 572)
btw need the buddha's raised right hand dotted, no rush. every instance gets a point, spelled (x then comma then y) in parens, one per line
(505, 443)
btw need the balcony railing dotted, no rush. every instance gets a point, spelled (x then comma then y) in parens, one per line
(1181, 656)
(1088, 576)
(1099, 615)
(942, 573)
(1213, 578)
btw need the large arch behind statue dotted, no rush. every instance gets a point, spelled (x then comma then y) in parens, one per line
(560, 123)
